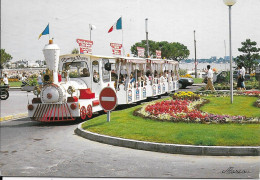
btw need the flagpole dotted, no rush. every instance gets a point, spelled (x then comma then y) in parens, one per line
(90, 31)
(122, 36)
(49, 31)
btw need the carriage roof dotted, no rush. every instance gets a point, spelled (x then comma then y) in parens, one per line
(135, 60)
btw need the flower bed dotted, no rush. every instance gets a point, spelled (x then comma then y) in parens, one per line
(11, 79)
(182, 109)
(186, 95)
(186, 76)
(249, 93)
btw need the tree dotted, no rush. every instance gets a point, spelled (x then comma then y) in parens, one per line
(5, 58)
(250, 56)
(175, 51)
(75, 51)
(21, 66)
(152, 48)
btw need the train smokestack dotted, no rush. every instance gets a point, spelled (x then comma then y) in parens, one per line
(51, 54)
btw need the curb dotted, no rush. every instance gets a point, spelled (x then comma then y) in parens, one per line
(199, 84)
(12, 117)
(170, 148)
(15, 89)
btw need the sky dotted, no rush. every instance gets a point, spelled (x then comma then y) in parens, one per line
(168, 20)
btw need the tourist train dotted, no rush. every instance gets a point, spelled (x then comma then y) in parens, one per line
(72, 83)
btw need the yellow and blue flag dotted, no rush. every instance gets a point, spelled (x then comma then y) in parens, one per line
(46, 31)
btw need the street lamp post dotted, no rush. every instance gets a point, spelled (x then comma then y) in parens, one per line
(230, 3)
(146, 31)
(91, 27)
(195, 55)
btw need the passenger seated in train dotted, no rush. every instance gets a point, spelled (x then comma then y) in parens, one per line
(95, 76)
(85, 73)
(126, 80)
(161, 78)
(165, 75)
(149, 77)
(132, 78)
(172, 75)
(155, 77)
(114, 76)
(140, 78)
(121, 79)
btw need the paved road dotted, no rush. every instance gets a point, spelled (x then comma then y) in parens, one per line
(16, 103)
(37, 149)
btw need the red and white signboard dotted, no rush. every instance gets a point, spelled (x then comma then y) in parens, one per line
(85, 46)
(116, 48)
(140, 51)
(108, 99)
(158, 54)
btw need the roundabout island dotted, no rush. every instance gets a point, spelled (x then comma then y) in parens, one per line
(184, 123)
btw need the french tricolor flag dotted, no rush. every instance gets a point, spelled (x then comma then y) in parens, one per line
(117, 25)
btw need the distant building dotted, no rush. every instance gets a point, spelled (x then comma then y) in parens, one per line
(214, 58)
(226, 57)
(19, 64)
(41, 63)
(33, 64)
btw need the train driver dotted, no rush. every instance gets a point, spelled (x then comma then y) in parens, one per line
(85, 73)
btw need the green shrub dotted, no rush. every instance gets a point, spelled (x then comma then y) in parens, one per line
(182, 72)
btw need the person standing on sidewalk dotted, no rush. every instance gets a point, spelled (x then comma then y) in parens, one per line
(244, 76)
(209, 79)
(5, 79)
(239, 77)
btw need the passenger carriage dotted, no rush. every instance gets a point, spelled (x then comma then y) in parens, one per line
(73, 82)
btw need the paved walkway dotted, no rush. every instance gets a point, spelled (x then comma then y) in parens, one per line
(16, 105)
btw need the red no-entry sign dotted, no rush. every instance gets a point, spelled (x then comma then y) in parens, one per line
(108, 99)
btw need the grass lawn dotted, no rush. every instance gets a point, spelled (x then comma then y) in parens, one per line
(242, 105)
(197, 80)
(124, 124)
(14, 84)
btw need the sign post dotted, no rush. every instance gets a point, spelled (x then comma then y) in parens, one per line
(140, 51)
(108, 100)
(85, 46)
(116, 48)
(158, 54)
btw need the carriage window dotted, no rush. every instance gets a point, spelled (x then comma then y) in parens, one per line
(106, 74)
(76, 69)
(95, 70)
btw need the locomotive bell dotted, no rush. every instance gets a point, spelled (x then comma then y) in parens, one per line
(51, 54)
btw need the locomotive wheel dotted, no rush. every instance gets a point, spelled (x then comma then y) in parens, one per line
(83, 113)
(89, 111)
(4, 94)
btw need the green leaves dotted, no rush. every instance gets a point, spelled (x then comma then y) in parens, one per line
(174, 50)
(250, 54)
(75, 51)
(5, 57)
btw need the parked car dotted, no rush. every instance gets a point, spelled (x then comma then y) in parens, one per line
(184, 82)
(222, 76)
